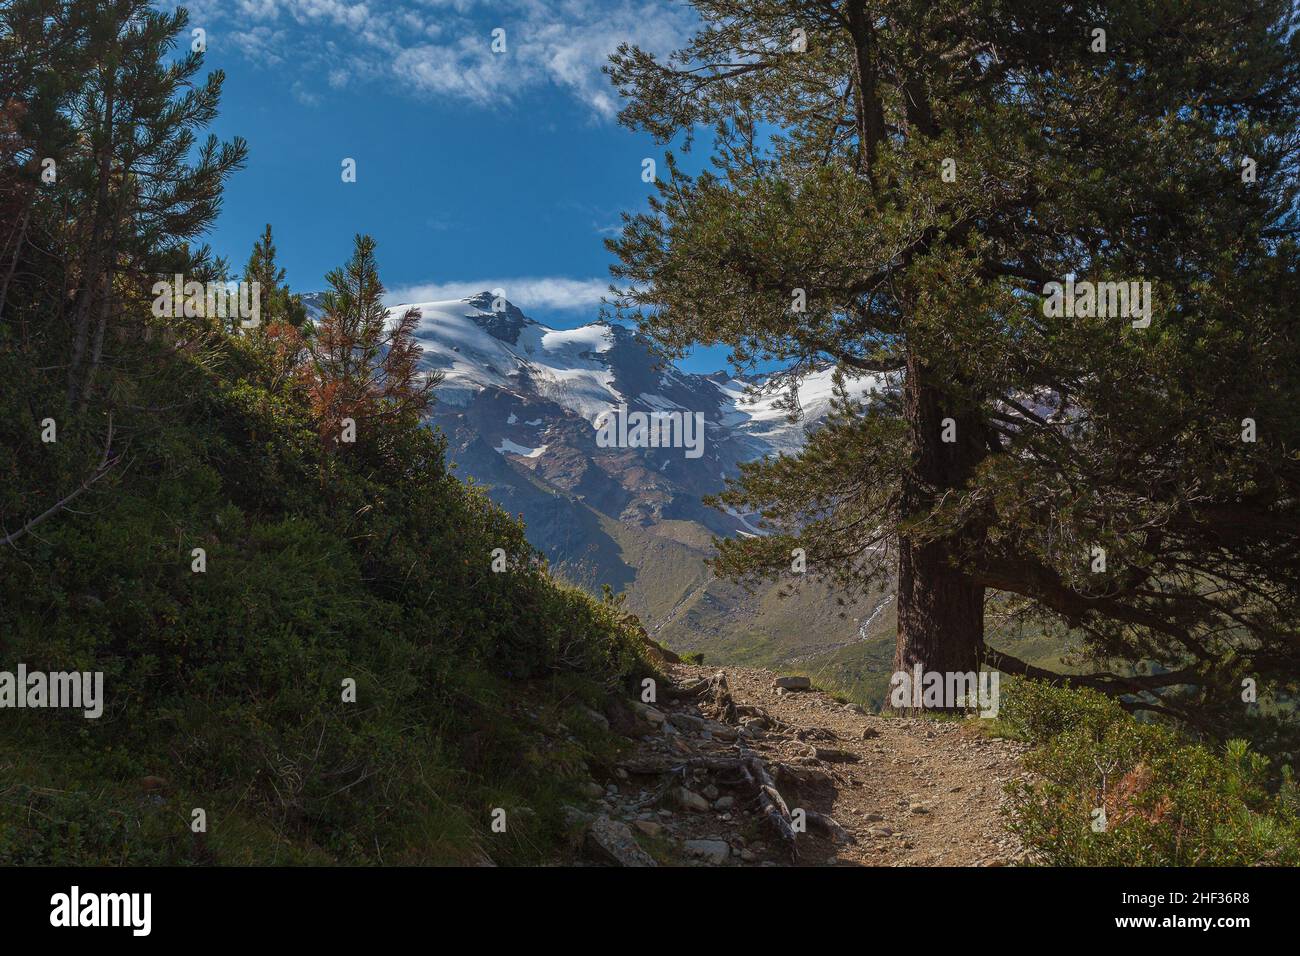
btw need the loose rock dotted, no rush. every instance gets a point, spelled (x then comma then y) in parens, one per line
(689, 800)
(649, 827)
(612, 841)
(710, 851)
(792, 683)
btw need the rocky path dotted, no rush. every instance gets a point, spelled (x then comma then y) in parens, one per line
(874, 791)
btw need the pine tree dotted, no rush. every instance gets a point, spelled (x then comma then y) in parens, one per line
(894, 186)
(142, 197)
(103, 188)
(40, 51)
(278, 303)
(364, 367)
(279, 337)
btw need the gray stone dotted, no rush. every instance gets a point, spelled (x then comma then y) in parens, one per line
(649, 827)
(710, 851)
(612, 841)
(792, 683)
(649, 713)
(687, 722)
(688, 800)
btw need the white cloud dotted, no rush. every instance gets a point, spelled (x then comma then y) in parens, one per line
(260, 43)
(545, 292)
(444, 47)
(259, 9)
(304, 95)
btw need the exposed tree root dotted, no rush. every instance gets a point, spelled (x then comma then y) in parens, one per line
(747, 769)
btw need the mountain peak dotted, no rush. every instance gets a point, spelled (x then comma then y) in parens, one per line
(498, 317)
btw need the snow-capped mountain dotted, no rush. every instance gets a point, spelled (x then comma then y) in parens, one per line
(537, 399)
(523, 407)
(590, 371)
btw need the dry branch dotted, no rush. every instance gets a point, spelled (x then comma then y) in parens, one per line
(104, 467)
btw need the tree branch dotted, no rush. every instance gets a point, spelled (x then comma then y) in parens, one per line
(104, 467)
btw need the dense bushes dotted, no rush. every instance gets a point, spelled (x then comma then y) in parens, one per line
(1166, 801)
(374, 565)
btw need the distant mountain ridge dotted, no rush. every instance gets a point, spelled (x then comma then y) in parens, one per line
(528, 390)
(521, 404)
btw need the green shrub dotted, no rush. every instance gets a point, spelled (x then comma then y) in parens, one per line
(374, 564)
(1167, 801)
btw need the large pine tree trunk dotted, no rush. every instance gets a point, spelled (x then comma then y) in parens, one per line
(940, 610)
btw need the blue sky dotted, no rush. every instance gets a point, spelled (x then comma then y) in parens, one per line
(475, 169)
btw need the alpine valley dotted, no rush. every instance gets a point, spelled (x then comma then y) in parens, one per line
(523, 407)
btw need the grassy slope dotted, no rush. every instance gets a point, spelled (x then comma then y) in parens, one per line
(686, 608)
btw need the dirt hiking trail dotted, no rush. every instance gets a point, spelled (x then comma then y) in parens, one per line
(729, 769)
